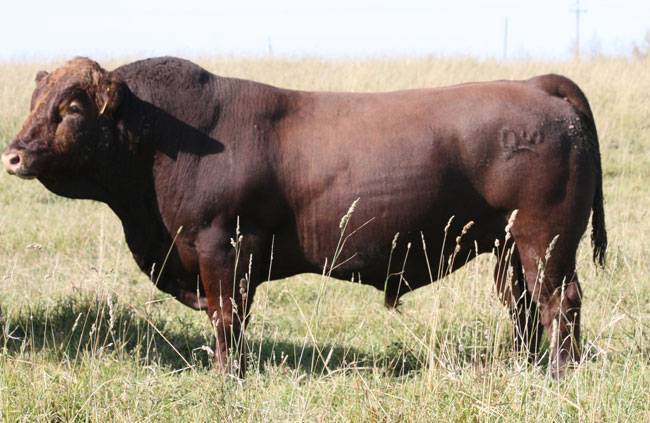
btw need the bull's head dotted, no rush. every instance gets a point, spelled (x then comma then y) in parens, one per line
(72, 116)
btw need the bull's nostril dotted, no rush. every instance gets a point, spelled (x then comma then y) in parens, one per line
(12, 161)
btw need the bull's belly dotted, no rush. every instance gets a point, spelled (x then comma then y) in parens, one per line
(421, 246)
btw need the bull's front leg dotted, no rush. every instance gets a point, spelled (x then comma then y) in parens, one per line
(227, 300)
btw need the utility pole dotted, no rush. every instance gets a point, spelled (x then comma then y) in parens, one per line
(505, 38)
(577, 11)
(269, 46)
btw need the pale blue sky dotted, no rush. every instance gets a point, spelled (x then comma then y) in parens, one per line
(333, 28)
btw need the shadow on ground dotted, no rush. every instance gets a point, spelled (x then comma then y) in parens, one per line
(76, 327)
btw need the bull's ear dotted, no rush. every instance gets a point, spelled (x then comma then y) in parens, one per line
(40, 75)
(111, 95)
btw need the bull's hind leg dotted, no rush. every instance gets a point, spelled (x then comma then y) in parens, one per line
(547, 252)
(513, 292)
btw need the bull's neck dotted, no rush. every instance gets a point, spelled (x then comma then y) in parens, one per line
(130, 189)
(125, 178)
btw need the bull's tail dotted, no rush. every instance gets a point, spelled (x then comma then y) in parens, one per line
(598, 231)
(559, 86)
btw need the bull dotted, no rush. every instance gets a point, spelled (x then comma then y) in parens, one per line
(226, 171)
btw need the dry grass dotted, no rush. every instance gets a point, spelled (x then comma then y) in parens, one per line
(87, 337)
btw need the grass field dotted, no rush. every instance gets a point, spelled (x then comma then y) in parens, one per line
(85, 336)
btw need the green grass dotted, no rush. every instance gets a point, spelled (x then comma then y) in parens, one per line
(85, 335)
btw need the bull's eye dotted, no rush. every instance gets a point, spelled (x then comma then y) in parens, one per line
(74, 107)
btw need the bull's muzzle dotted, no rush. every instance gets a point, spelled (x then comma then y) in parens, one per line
(13, 162)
